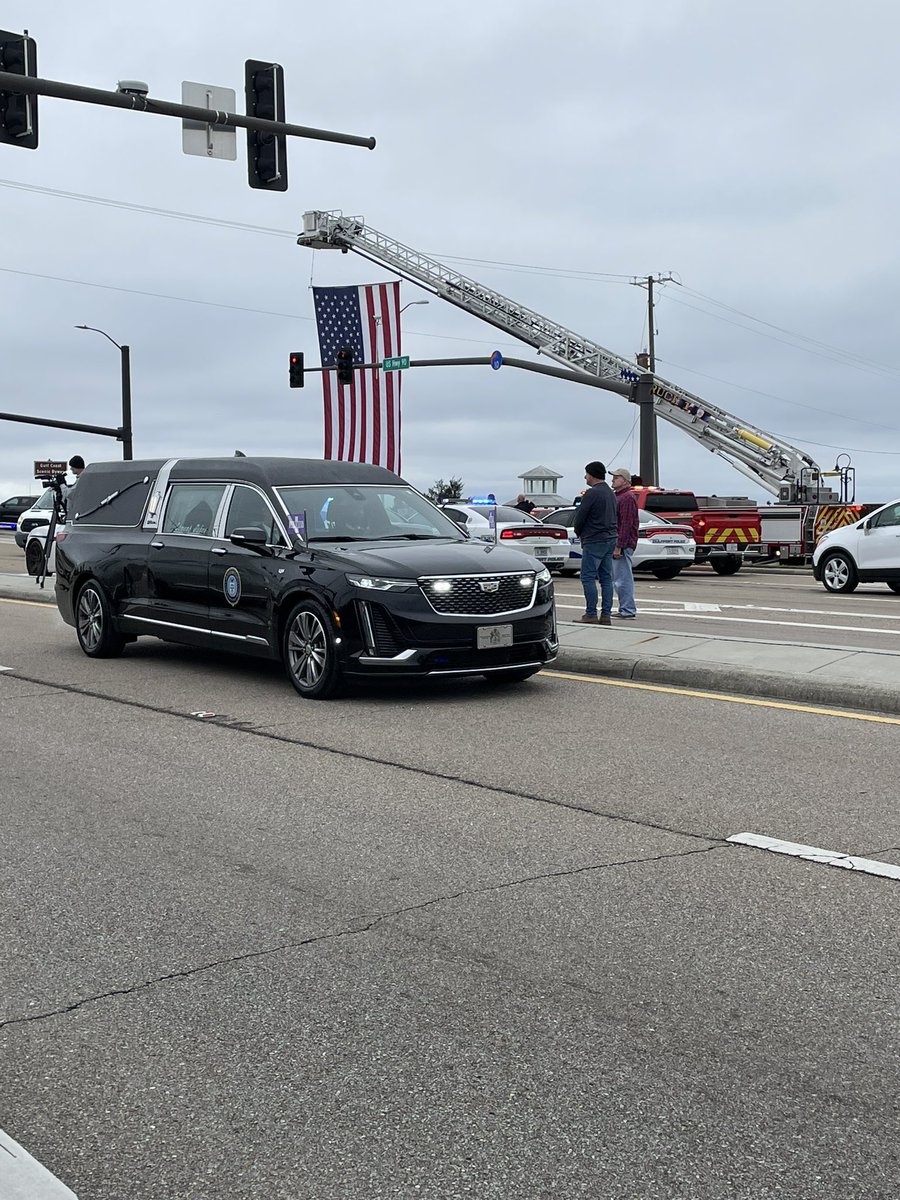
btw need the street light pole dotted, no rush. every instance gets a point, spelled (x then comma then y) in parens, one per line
(126, 432)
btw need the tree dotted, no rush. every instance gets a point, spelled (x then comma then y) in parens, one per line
(445, 491)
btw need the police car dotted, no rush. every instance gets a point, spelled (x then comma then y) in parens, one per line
(663, 549)
(507, 526)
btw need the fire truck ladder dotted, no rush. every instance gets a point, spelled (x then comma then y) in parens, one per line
(771, 463)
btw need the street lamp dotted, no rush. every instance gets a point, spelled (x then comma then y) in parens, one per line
(126, 430)
(411, 303)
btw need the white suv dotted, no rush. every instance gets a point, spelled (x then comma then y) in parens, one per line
(866, 552)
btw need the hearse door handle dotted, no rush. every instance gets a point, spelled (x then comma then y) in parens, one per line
(219, 550)
(158, 545)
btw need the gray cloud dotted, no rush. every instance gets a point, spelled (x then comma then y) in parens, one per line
(750, 151)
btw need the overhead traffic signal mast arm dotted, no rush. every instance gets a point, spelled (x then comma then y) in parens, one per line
(768, 461)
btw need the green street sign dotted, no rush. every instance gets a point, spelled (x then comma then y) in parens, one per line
(396, 364)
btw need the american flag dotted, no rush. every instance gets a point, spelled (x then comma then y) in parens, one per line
(362, 418)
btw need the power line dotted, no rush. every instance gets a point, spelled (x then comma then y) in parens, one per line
(110, 287)
(813, 346)
(781, 399)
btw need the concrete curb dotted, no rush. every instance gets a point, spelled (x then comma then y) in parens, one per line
(732, 680)
(47, 595)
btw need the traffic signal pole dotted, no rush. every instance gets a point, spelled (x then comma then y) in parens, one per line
(31, 85)
(608, 385)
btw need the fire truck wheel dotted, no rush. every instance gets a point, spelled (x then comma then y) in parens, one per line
(728, 564)
(839, 572)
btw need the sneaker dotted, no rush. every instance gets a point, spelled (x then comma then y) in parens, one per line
(605, 620)
(626, 616)
(590, 619)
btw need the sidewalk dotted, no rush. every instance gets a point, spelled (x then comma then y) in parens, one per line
(833, 676)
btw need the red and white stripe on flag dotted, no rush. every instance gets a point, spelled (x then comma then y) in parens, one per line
(362, 418)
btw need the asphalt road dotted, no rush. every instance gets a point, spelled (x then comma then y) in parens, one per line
(446, 941)
(774, 604)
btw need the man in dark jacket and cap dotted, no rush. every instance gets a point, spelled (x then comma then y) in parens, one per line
(596, 523)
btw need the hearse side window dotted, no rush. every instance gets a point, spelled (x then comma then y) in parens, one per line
(248, 509)
(192, 508)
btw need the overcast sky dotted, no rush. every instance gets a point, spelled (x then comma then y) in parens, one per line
(551, 152)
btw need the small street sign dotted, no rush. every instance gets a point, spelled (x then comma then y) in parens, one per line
(44, 468)
(496, 360)
(207, 140)
(396, 364)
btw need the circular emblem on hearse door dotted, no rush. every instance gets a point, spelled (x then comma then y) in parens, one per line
(231, 586)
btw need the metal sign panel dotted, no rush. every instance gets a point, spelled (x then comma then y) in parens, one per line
(209, 141)
(45, 467)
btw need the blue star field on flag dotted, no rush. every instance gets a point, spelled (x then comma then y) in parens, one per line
(339, 323)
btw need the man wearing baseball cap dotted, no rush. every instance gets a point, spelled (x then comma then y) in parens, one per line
(596, 523)
(628, 523)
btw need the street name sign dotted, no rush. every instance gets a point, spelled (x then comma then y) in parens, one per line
(45, 467)
(396, 364)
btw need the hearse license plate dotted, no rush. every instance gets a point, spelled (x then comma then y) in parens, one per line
(487, 637)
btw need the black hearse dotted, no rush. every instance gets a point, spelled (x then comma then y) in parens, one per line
(338, 569)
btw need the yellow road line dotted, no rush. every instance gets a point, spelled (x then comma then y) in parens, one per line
(34, 603)
(676, 691)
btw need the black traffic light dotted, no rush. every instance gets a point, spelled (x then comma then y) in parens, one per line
(296, 369)
(345, 365)
(18, 113)
(266, 152)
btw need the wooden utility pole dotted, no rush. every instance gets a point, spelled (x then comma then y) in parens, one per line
(649, 461)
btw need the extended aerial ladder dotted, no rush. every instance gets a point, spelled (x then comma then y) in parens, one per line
(773, 464)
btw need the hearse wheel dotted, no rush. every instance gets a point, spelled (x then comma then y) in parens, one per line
(97, 634)
(310, 653)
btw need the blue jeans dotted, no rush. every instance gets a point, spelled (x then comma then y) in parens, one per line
(624, 581)
(596, 563)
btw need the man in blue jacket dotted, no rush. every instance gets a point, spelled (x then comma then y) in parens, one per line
(596, 523)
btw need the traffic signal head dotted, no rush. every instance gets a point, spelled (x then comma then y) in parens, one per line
(18, 113)
(345, 365)
(266, 152)
(296, 369)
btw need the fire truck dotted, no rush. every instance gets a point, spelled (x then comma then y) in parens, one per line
(779, 468)
(725, 527)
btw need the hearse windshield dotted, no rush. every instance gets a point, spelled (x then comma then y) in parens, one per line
(365, 512)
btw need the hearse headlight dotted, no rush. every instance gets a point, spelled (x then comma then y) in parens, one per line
(378, 583)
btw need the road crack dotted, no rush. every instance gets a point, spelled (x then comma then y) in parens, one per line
(355, 930)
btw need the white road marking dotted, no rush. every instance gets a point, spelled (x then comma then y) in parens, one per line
(23, 1178)
(768, 608)
(706, 616)
(826, 858)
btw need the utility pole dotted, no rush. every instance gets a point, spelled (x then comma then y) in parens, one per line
(649, 460)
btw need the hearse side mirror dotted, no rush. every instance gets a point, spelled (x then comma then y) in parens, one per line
(252, 537)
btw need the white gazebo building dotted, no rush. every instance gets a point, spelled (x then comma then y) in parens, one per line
(540, 486)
